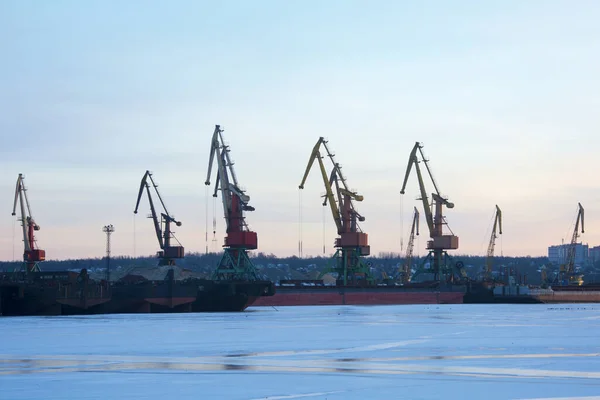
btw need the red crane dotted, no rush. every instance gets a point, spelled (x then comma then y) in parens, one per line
(168, 253)
(32, 255)
(235, 263)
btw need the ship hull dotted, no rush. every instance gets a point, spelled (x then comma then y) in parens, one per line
(55, 294)
(379, 295)
(51, 293)
(523, 294)
(568, 294)
(228, 296)
(151, 297)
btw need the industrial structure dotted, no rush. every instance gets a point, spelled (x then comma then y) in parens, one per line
(496, 230)
(108, 230)
(566, 274)
(235, 263)
(235, 284)
(32, 255)
(408, 258)
(352, 244)
(168, 253)
(438, 258)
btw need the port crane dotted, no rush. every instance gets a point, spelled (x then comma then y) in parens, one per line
(567, 273)
(32, 255)
(235, 263)
(352, 243)
(439, 243)
(496, 230)
(168, 253)
(408, 258)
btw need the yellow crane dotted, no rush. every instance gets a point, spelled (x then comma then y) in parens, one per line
(496, 230)
(352, 243)
(414, 230)
(439, 243)
(567, 275)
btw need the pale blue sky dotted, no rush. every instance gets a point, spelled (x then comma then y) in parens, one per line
(504, 96)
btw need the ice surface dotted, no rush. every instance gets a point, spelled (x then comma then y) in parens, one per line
(322, 352)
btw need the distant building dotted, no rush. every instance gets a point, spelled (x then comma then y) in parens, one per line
(558, 254)
(595, 254)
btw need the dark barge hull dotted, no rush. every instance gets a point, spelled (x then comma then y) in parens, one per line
(51, 293)
(225, 296)
(68, 293)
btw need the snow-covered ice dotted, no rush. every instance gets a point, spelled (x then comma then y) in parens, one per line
(335, 352)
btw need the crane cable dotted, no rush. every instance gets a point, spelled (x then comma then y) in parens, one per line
(401, 223)
(300, 223)
(214, 239)
(14, 225)
(206, 219)
(323, 230)
(134, 243)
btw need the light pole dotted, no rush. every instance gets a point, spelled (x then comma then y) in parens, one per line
(108, 229)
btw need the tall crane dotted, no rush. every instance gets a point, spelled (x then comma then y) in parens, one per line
(32, 255)
(439, 242)
(235, 263)
(567, 274)
(414, 230)
(168, 253)
(352, 243)
(496, 230)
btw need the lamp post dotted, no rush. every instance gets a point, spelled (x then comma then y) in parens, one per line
(108, 229)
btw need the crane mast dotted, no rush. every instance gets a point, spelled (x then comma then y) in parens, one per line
(168, 253)
(352, 243)
(414, 230)
(31, 254)
(496, 230)
(567, 274)
(439, 242)
(235, 263)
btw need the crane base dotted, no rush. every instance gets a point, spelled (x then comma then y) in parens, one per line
(235, 265)
(441, 266)
(350, 268)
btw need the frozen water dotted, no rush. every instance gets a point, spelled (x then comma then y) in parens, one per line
(334, 352)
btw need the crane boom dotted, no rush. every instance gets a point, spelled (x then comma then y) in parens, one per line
(569, 268)
(352, 243)
(235, 263)
(439, 242)
(168, 253)
(496, 230)
(414, 230)
(235, 200)
(329, 196)
(31, 254)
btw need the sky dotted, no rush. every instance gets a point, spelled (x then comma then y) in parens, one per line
(504, 96)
